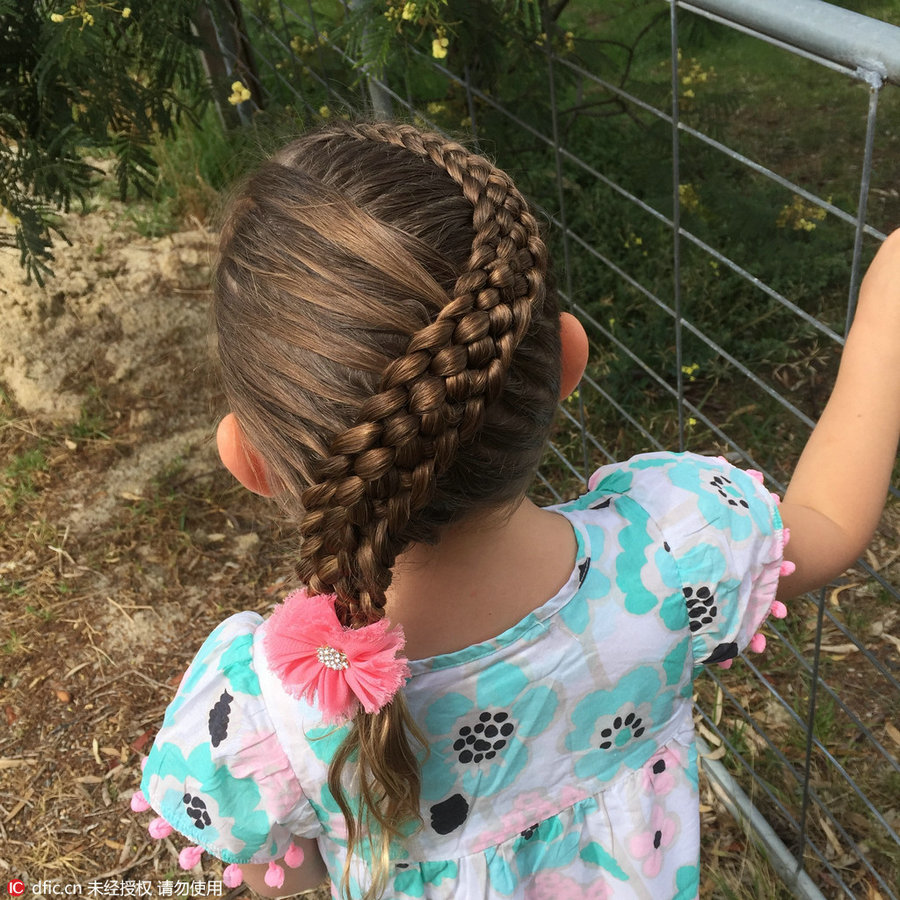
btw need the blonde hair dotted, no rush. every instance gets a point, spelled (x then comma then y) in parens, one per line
(389, 345)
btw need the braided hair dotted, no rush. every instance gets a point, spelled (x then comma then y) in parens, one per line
(390, 346)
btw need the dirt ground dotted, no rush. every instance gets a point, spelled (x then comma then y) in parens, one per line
(122, 544)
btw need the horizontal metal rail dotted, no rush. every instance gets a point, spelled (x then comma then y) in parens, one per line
(830, 32)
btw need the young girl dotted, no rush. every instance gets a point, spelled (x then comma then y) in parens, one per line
(393, 355)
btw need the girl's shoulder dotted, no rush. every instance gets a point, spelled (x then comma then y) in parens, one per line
(691, 539)
(678, 491)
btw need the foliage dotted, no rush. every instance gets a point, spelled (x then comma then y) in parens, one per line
(482, 70)
(88, 77)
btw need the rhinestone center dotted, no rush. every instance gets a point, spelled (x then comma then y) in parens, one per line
(332, 658)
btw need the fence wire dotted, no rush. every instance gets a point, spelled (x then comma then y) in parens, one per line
(701, 340)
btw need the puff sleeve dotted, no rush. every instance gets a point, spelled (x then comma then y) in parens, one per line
(217, 772)
(722, 542)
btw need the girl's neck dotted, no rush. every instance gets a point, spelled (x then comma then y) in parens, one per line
(486, 574)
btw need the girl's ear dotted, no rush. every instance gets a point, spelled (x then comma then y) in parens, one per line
(240, 458)
(574, 342)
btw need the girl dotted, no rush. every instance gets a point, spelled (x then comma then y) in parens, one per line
(393, 355)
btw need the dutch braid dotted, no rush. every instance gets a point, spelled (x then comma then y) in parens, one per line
(383, 469)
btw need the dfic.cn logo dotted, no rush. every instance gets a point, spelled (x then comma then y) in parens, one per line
(15, 888)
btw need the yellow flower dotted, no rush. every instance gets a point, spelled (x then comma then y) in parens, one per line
(569, 38)
(239, 93)
(324, 112)
(690, 199)
(57, 17)
(126, 13)
(800, 215)
(687, 93)
(439, 47)
(691, 422)
(409, 12)
(689, 370)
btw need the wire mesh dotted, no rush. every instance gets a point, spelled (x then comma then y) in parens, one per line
(716, 280)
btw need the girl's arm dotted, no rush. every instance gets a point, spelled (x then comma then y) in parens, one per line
(304, 878)
(837, 492)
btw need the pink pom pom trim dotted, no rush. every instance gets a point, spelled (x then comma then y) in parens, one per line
(232, 875)
(785, 536)
(757, 643)
(144, 763)
(775, 497)
(139, 802)
(787, 568)
(727, 664)
(189, 857)
(778, 610)
(274, 876)
(755, 475)
(294, 856)
(340, 669)
(159, 828)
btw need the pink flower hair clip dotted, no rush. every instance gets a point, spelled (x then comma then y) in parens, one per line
(340, 669)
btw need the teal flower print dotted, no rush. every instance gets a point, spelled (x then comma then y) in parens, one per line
(594, 586)
(635, 540)
(596, 854)
(722, 496)
(230, 804)
(614, 726)
(482, 743)
(205, 656)
(439, 774)
(545, 847)
(412, 878)
(687, 880)
(236, 665)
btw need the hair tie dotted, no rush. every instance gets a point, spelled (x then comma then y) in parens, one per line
(339, 669)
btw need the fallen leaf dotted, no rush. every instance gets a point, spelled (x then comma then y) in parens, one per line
(12, 763)
(892, 733)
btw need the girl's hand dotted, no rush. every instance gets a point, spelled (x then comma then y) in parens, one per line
(837, 493)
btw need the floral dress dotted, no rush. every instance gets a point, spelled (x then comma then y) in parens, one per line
(561, 756)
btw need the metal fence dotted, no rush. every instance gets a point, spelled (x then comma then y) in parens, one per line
(716, 287)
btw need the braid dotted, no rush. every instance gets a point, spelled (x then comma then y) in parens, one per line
(383, 469)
